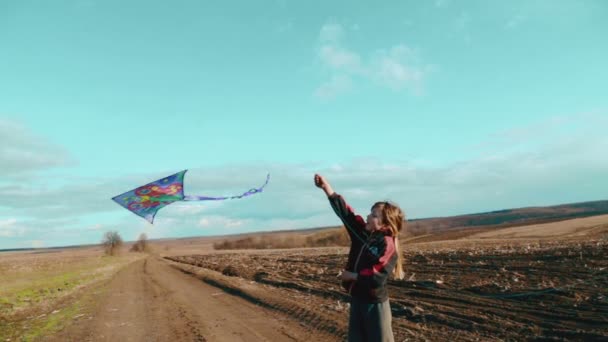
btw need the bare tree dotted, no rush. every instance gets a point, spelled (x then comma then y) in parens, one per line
(141, 245)
(111, 242)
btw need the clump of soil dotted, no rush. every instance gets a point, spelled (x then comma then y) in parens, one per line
(509, 291)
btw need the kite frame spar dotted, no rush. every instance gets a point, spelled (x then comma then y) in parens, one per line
(145, 201)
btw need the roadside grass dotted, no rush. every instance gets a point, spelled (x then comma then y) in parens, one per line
(40, 294)
(66, 313)
(32, 289)
(325, 238)
(52, 322)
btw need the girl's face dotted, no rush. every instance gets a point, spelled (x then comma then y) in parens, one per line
(374, 220)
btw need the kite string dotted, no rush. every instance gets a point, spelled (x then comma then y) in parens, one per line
(209, 198)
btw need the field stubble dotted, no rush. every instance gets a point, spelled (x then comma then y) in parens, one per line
(487, 291)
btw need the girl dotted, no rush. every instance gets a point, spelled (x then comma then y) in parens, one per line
(374, 254)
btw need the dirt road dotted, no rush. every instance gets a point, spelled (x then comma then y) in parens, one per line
(151, 301)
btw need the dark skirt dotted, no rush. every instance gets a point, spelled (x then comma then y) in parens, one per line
(370, 322)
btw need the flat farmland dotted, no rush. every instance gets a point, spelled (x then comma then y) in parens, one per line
(540, 282)
(42, 291)
(544, 282)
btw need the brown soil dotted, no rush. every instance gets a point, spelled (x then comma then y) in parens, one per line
(151, 301)
(499, 291)
(541, 283)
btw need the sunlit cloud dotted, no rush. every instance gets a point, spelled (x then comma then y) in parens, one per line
(557, 160)
(398, 67)
(9, 228)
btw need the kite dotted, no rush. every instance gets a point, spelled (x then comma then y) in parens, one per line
(148, 199)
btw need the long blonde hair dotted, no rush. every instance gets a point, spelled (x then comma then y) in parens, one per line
(394, 218)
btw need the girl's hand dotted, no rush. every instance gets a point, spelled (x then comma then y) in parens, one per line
(349, 276)
(320, 181)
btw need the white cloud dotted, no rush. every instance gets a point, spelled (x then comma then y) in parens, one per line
(398, 67)
(557, 160)
(98, 227)
(81, 196)
(196, 208)
(331, 33)
(22, 152)
(8, 223)
(9, 228)
(499, 178)
(340, 58)
(220, 222)
(338, 84)
(553, 131)
(319, 220)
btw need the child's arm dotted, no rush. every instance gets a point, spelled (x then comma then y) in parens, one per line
(355, 224)
(322, 183)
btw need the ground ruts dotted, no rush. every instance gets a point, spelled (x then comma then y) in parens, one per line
(512, 291)
(151, 301)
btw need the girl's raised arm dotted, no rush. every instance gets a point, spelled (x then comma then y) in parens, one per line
(322, 183)
(355, 225)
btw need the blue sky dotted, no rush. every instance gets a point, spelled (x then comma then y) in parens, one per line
(444, 107)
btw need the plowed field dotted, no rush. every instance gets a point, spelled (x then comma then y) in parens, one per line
(515, 290)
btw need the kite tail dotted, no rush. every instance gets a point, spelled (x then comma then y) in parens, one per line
(248, 193)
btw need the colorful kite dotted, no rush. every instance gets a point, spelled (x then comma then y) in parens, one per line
(146, 200)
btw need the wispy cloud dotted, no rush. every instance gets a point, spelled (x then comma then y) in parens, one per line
(338, 84)
(553, 131)
(550, 172)
(331, 33)
(556, 160)
(398, 67)
(220, 221)
(340, 58)
(97, 227)
(22, 152)
(9, 228)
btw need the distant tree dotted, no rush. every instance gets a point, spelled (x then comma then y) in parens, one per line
(111, 242)
(141, 245)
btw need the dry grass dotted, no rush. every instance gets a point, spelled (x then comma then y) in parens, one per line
(595, 226)
(571, 228)
(324, 238)
(35, 283)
